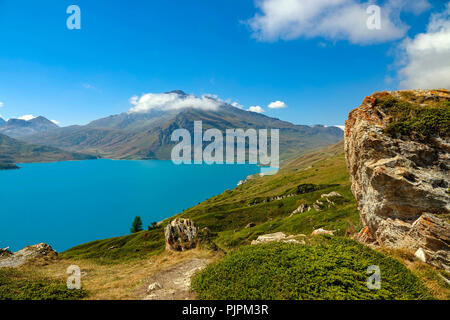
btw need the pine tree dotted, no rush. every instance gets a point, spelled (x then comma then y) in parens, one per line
(137, 225)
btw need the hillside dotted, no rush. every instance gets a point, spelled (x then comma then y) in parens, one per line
(12, 150)
(17, 128)
(146, 135)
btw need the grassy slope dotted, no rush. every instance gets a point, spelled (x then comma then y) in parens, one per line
(13, 150)
(226, 215)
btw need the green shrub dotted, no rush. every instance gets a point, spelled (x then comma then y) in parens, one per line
(139, 245)
(18, 285)
(419, 121)
(332, 269)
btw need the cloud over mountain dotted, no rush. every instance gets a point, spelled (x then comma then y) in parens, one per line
(172, 101)
(26, 117)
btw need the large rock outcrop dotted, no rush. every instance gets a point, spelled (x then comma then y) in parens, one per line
(181, 235)
(16, 259)
(400, 178)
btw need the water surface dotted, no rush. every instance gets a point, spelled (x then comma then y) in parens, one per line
(68, 203)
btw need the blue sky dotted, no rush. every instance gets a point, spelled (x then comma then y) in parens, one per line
(254, 53)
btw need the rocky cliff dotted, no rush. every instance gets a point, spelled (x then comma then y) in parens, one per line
(397, 148)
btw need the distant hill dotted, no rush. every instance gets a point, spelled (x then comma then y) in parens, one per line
(2, 121)
(12, 150)
(146, 135)
(17, 128)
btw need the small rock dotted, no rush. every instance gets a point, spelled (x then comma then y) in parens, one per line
(302, 208)
(250, 225)
(154, 286)
(271, 237)
(5, 252)
(323, 231)
(331, 194)
(421, 255)
(277, 237)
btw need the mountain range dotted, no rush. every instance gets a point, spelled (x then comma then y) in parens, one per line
(147, 135)
(17, 128)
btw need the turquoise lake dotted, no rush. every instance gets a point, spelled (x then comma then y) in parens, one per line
(69, 203)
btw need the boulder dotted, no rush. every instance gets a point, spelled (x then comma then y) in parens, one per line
(41, 250)
(180, 235)
(400, 182)
(153, 286)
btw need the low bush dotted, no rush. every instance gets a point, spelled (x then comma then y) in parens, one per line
(335, 268)
(18, 285)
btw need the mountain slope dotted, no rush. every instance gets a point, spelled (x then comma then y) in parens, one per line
(12, 150)
(17, 128)
(146, 135)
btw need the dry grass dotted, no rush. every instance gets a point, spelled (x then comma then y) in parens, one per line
(123, 281)
(432, 278)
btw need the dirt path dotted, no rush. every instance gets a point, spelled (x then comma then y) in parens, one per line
(175, 282)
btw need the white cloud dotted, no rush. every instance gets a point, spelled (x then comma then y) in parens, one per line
(277, 105)
(256, 109)
(172, 101)
(26, 117)
(1, 104)
(426, 57)
(237, 105)
(330, 19)
(55, 122)
(340, 127)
